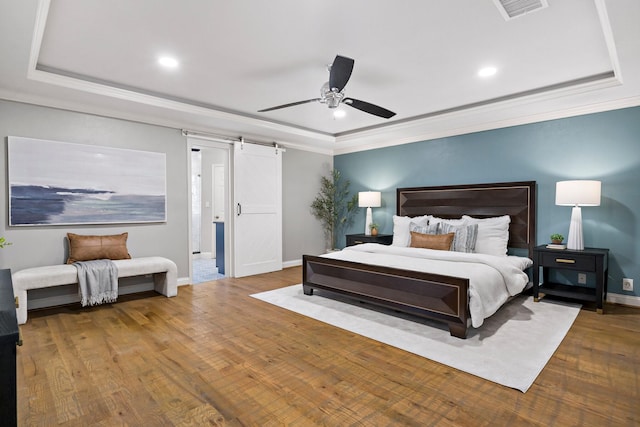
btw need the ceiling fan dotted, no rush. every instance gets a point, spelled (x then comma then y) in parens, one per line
(332, 92)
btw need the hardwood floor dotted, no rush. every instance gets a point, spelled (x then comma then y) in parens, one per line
(215, 356)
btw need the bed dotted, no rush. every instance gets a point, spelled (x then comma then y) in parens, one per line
(398, 285)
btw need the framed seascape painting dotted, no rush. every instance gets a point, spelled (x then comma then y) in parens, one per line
(60, 183)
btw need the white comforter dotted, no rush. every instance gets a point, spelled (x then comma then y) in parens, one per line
(492, 279)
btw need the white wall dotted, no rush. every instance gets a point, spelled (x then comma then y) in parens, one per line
(46, 245)
(302, 232)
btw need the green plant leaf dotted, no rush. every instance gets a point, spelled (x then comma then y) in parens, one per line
(333, 207)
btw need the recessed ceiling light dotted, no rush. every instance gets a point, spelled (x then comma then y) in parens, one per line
(487, 71)
(338, 114)
(168, 62)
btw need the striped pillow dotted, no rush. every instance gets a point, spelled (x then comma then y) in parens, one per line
(465, 236)
(424, 229)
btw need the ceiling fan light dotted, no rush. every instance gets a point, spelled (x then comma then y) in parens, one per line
(333, 101)
(331, 97)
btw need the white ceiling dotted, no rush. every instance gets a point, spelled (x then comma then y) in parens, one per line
(417, 58)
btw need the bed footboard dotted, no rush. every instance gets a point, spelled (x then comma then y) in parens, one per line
(431, 296)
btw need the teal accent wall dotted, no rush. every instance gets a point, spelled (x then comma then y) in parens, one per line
(602, 146)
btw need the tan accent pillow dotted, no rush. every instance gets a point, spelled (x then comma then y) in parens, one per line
(441, 242)
(87, 248)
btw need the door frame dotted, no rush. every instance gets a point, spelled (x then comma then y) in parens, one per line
(214, 167)
(194, 142)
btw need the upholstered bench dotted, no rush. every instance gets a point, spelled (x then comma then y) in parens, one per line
(165, 277)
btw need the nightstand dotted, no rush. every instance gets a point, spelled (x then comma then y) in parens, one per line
(589, 260)
(357, 239)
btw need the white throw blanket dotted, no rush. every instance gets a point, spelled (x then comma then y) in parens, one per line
(492, 279)
(98, 281)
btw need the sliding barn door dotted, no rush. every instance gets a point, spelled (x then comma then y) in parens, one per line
(258, 209)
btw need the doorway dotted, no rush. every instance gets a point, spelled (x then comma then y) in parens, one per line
(209, 166)
(252, 222)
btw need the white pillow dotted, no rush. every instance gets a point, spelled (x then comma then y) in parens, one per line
(455, 222)
(401, 224)
(493, 234)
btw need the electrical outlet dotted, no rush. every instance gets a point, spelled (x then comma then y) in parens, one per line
(627, 284)
(582, 278)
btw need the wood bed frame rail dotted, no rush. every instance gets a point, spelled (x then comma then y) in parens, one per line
(432, 296)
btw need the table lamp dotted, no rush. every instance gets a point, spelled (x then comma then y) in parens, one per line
(577, 193)
(368, 199)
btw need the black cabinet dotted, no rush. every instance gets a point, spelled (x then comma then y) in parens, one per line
(9, 338)
(589, 260)
(357, 239)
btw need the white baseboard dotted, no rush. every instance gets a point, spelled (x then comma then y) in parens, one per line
(183, 281)
(630, 300)
(294, 263)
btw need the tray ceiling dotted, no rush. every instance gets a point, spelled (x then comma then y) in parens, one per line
(418, 59)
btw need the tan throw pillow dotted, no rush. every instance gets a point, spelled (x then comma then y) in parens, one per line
(87, 248)
(441, 242)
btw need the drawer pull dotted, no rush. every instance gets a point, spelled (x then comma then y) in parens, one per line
(566, 261)
(358, 242)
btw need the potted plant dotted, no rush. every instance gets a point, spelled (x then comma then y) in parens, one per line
(3, 242)
(557, 238)
(374, 228)
(333, 206)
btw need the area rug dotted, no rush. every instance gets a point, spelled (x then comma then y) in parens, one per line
(511, 348)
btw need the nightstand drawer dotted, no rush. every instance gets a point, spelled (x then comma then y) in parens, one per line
(568, 261)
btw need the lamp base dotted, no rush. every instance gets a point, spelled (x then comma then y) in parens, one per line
(574, 241)
(367, 223)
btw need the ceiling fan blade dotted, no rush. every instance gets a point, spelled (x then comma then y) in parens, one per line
(340, 72)
(289, 105)
(369, 108)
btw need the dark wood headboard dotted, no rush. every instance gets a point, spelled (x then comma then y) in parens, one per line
(516, 199)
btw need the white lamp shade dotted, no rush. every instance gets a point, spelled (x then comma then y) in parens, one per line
(578, 193)
(369, 199)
